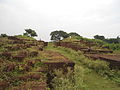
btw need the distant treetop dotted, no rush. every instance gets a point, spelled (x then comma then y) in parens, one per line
(30, 33)
(73, 34)
(58, 35)
(99, 37)
(3, 35)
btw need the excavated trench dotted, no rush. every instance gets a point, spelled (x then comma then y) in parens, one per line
(113, 59)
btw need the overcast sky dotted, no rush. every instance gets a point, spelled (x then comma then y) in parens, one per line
(86, 17)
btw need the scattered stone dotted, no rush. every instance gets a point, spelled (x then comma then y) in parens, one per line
(12, 38)
(35, 76)
(3, 85)
(10, 67)
(19, 58)
(33, 54)
(59, 65)
(7, 55)
(41, 48)
(45, 44)
(24, 67)
(32, 62)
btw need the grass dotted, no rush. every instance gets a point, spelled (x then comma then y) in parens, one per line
(70, 80)
(25, 37)
(94, 81)
(93, 72)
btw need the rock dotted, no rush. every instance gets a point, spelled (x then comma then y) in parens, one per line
(59, 65)
(45, 44)
(35, 76)
(41, 48)
(33, 54)
(19, 57)
(10, 67)
(7, 55)
(23, 68)
(3, 85)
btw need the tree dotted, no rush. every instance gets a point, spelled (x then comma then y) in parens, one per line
(30, 32)
(99, 37)
(118, 38)
(58, 35)
(25, 34)
(3, 35)
(74, 34)
(112, 40)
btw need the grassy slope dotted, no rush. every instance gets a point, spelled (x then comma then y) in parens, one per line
(96, 82)
(25, 37)
(19, 70)
(91, 79)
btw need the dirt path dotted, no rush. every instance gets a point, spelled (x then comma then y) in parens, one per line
(55, 56)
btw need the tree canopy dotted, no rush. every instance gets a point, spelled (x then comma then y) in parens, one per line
(99, 37)
(58, 35)
(3, 35)
(112, 40)
(108, 40)
(30, 32)
(74, 34)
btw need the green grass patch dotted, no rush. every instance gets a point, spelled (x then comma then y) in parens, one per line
(25, 37)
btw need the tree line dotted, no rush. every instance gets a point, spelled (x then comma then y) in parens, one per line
(28, 32)
(108, 40)
(58, 35)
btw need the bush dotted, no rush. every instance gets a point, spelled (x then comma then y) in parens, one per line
(113, 46)
(3, 35)
(70, 81)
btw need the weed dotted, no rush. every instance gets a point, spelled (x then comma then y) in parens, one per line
(69, 81)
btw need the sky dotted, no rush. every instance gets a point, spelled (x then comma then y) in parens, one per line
(86, 17)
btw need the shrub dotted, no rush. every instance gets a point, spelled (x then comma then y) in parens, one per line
(70, 81)
(113, 46)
